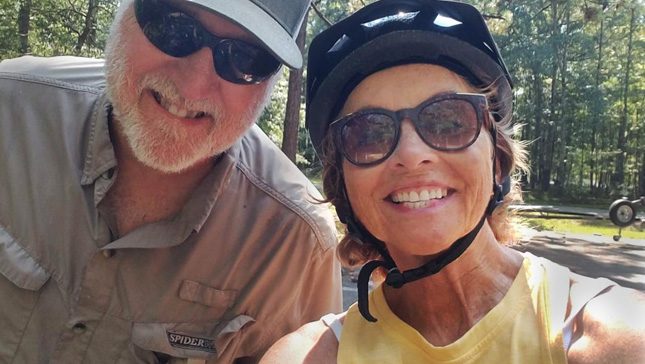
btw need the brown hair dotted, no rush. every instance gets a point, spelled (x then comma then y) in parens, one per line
(510, 155)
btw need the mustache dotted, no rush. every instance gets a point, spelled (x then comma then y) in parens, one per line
(169, 91)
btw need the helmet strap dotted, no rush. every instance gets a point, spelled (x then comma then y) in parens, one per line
(396, 279)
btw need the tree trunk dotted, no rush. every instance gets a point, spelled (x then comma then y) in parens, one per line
(562, 137)
(550, 134)
(640, 160)
(538, 146)
(294, 95)
(24, 15)
(598, 110)
(89, 25)
(641, 177)
(619, 172)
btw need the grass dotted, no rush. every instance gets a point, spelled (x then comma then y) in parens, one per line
(532, 198)
(598, 227)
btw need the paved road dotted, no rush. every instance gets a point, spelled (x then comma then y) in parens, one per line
(589, 255)
(593, 256)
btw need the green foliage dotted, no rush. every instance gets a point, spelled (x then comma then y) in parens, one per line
(8, 29)
(273, 116)
(570, 73)
(55, 26)
(272, 119)
(586, 227)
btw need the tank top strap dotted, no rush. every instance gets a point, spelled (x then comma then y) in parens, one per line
(567, 291)
(332, 321)
(558, 284)
(583, 290)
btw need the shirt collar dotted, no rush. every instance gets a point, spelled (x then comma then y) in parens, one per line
(100, 157)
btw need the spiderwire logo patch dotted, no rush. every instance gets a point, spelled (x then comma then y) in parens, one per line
(191, 342)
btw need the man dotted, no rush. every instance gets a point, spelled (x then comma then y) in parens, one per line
(143, 217)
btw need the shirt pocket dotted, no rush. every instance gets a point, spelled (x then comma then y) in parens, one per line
(204, 340)
(21, 279)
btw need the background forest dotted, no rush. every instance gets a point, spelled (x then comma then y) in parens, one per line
(578, 68)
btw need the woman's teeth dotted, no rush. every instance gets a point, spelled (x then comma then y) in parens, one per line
(419, 198)
(177, 110)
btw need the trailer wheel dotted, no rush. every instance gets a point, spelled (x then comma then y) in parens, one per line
(622, 213)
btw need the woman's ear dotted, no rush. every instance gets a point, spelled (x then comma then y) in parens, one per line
(498, 170)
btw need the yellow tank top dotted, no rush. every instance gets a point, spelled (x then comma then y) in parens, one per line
(525, 327)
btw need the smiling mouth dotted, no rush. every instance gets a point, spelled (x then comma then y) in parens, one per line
(176, 109)
(417, 199)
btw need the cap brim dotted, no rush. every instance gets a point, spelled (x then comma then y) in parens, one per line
(396, 48)
(261, 25)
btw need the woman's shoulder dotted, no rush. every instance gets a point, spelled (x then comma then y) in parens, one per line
(610, 328)
(312, 343)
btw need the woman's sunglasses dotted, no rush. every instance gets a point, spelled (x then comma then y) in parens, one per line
(178, 34)
(447, 122)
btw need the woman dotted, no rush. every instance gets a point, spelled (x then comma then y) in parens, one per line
(409, 105)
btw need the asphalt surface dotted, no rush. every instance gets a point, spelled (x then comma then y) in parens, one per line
(589, 255)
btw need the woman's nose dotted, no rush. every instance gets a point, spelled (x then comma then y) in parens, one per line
(412, 152)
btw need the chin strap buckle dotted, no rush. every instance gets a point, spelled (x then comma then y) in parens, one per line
(395, 278)
(499, 191)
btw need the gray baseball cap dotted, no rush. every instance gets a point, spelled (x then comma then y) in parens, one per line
(275, 23)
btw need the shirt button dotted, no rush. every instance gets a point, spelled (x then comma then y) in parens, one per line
(79, 328)
(108, 253)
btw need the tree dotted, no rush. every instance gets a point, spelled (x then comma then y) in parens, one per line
(89, 26)
(294, 101)
(619, 173)
(24, 15)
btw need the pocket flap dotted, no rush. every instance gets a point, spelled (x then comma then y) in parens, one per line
(18, 266)
(200, 293)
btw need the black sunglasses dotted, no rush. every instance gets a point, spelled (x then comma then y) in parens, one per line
(178, 34)
(447, 122)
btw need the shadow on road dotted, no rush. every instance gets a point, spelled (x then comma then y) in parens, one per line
(622, 263)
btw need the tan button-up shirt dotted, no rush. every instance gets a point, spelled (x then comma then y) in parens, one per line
(248, 259)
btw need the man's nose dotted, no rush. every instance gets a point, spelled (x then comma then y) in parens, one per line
(199, 77)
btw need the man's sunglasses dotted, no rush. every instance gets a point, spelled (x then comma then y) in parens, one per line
(448, 122)
(178, 34)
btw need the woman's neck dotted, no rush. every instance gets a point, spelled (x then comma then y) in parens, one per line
(443, 307)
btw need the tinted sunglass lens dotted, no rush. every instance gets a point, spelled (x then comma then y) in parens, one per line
(253, 60)
(368, 138)
(448, 124)
(170, 30)
(243, 63)
(183, 35)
